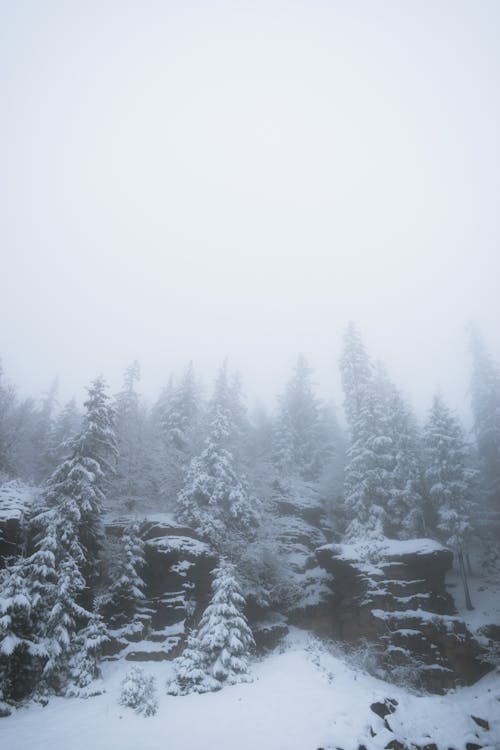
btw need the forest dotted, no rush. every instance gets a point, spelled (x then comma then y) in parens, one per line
(265, 498)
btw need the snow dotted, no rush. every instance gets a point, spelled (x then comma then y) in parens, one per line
(301, 699)
(183, 544)
(485, 596)
(15, 498)
(384, 549)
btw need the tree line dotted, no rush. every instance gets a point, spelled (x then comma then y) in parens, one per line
(234, 480)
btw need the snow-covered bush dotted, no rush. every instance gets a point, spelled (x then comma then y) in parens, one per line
(138, 691)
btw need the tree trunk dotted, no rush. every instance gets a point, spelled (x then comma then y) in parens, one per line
(463, 574)
(469, 566)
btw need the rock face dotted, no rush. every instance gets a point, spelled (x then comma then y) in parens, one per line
(299, 528)
(392, 594)
(178, 584)
(15, 499)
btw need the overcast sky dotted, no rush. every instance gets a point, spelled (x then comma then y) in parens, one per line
(194, 180)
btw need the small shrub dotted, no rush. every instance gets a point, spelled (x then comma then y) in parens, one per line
(138, 691)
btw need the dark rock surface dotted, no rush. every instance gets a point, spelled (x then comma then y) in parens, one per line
(15, 500)
(393, 595)
(178, 581)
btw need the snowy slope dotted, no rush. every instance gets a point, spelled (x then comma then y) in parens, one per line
(302, 699)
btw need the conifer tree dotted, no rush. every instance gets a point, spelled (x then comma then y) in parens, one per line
(369, 455)
(67, 425)
(448, 481)
(485, 402)
(77, 487)
(217, 654)
(129, 485)
(215, 500)
(180, 421)
(20, 665)
(51, 582)
(127, 590)
(298, 435)
(84, 665)
(43, 460)
(405, 511)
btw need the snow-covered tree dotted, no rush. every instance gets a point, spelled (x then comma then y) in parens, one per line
(79, 484)
(20, 663)
(485, 402)
(42, 440)
(299, 445)
(448, 480)
(215, 499)
(130, 482)
(40, 623)
(84, 665)
(404, 511)
(127, 590)
(217, 654)
(67, 424)
(179, 423)
(7, 432)
(17, 423)
(367, 476)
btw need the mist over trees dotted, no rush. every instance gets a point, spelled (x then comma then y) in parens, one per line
(262, 490)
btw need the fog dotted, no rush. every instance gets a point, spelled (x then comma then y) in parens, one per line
(191, 180)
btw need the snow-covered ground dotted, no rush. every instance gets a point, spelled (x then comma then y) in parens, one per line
(302, 698)
(485, 597)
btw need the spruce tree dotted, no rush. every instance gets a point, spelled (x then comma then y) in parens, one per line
(448, 481)
(367, 476)
(299, 445)
(84, 665)
(127, 590)
(180, 421)
(43, 461)
(43, 630)
(405, 505)
(215, 499)
(20, 662)
(485, 402)
(129, 485)
(67, 425)
(217, 654)
(79, 484)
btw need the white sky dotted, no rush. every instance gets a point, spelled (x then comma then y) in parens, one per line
(199, 179)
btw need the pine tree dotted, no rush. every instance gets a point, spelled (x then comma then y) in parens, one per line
(448, 481)
(180, 421)
(215, 500)
(67, 425)
(43, 462)
(485, 402)
(20, 665)
(79, 484)
(85, 663)
(367, 476)
(17, 420)
(127, 591)
(217, 654)
(405, 513)
(129, 485)
(298, 436)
